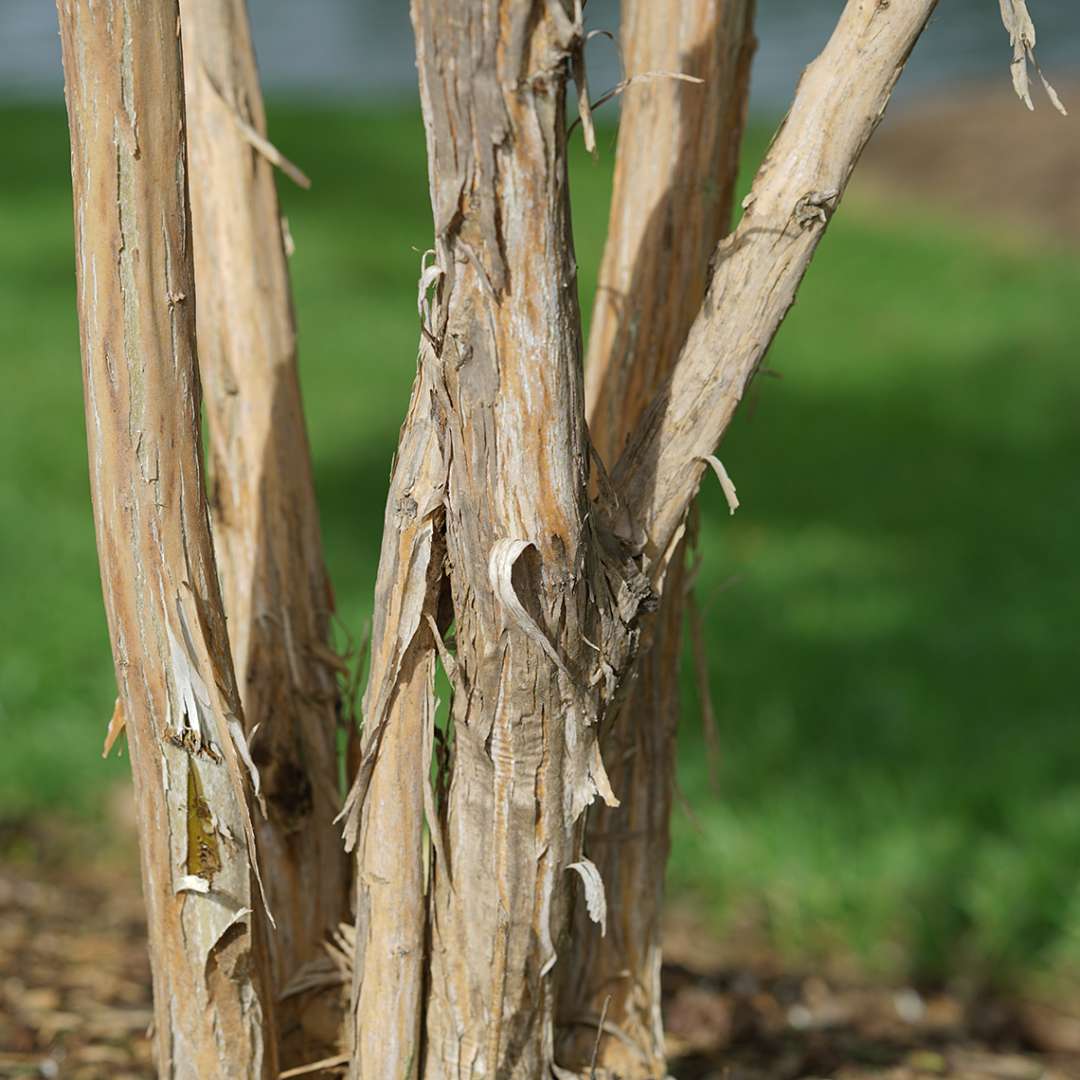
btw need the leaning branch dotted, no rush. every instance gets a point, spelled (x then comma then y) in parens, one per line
(840, 101)
(265, 519)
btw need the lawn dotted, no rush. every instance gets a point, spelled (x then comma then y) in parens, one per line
(891, 616)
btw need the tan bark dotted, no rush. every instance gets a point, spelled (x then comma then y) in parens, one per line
(506, 331)
(675, 174)
(500, 387)
(265, 519)
(213, 1006)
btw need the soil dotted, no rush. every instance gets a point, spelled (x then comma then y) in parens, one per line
(75, 993)
(977, 152)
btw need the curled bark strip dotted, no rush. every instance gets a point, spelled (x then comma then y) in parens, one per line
(726, 483)
(504, 553)
(595, 901)
(1017, 20)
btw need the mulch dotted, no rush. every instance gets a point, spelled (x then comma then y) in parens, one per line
(74, 970)
(761, 1021)
(75, 994)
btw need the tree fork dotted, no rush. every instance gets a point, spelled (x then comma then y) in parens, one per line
(212, 993)
(265, 520)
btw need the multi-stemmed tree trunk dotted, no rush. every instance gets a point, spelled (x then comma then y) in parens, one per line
(547, 590)
(542, 568)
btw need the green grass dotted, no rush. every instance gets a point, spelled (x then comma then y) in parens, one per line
(891, 616)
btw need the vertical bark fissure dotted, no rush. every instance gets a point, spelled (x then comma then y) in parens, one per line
(265, 519)
(675, 174)
(136, 294)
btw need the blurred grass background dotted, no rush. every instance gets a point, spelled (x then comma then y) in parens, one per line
(891, 616)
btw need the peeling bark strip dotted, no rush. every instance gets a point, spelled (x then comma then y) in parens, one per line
(675, 173)
(177, 691)
(840, 101)
(266, 527)
(386, 808)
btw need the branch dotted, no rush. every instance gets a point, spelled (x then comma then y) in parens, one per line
(266, 521)
(840, 101)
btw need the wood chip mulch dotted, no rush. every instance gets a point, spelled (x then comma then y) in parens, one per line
(75, 997)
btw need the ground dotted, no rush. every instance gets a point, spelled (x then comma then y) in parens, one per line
(75, 996)
(978, 152)
(890, 617)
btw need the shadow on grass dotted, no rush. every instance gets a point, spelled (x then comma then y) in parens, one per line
(895, 665)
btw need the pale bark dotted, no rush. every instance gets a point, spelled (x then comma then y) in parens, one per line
(500, 388)
(506, 332)
(212, 1000)
(675, 173)
(265, 519)
(489, 507)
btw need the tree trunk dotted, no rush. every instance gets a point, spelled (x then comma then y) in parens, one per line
(675, 172)
(213, 1004)
(265, 519)
(506, 332)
